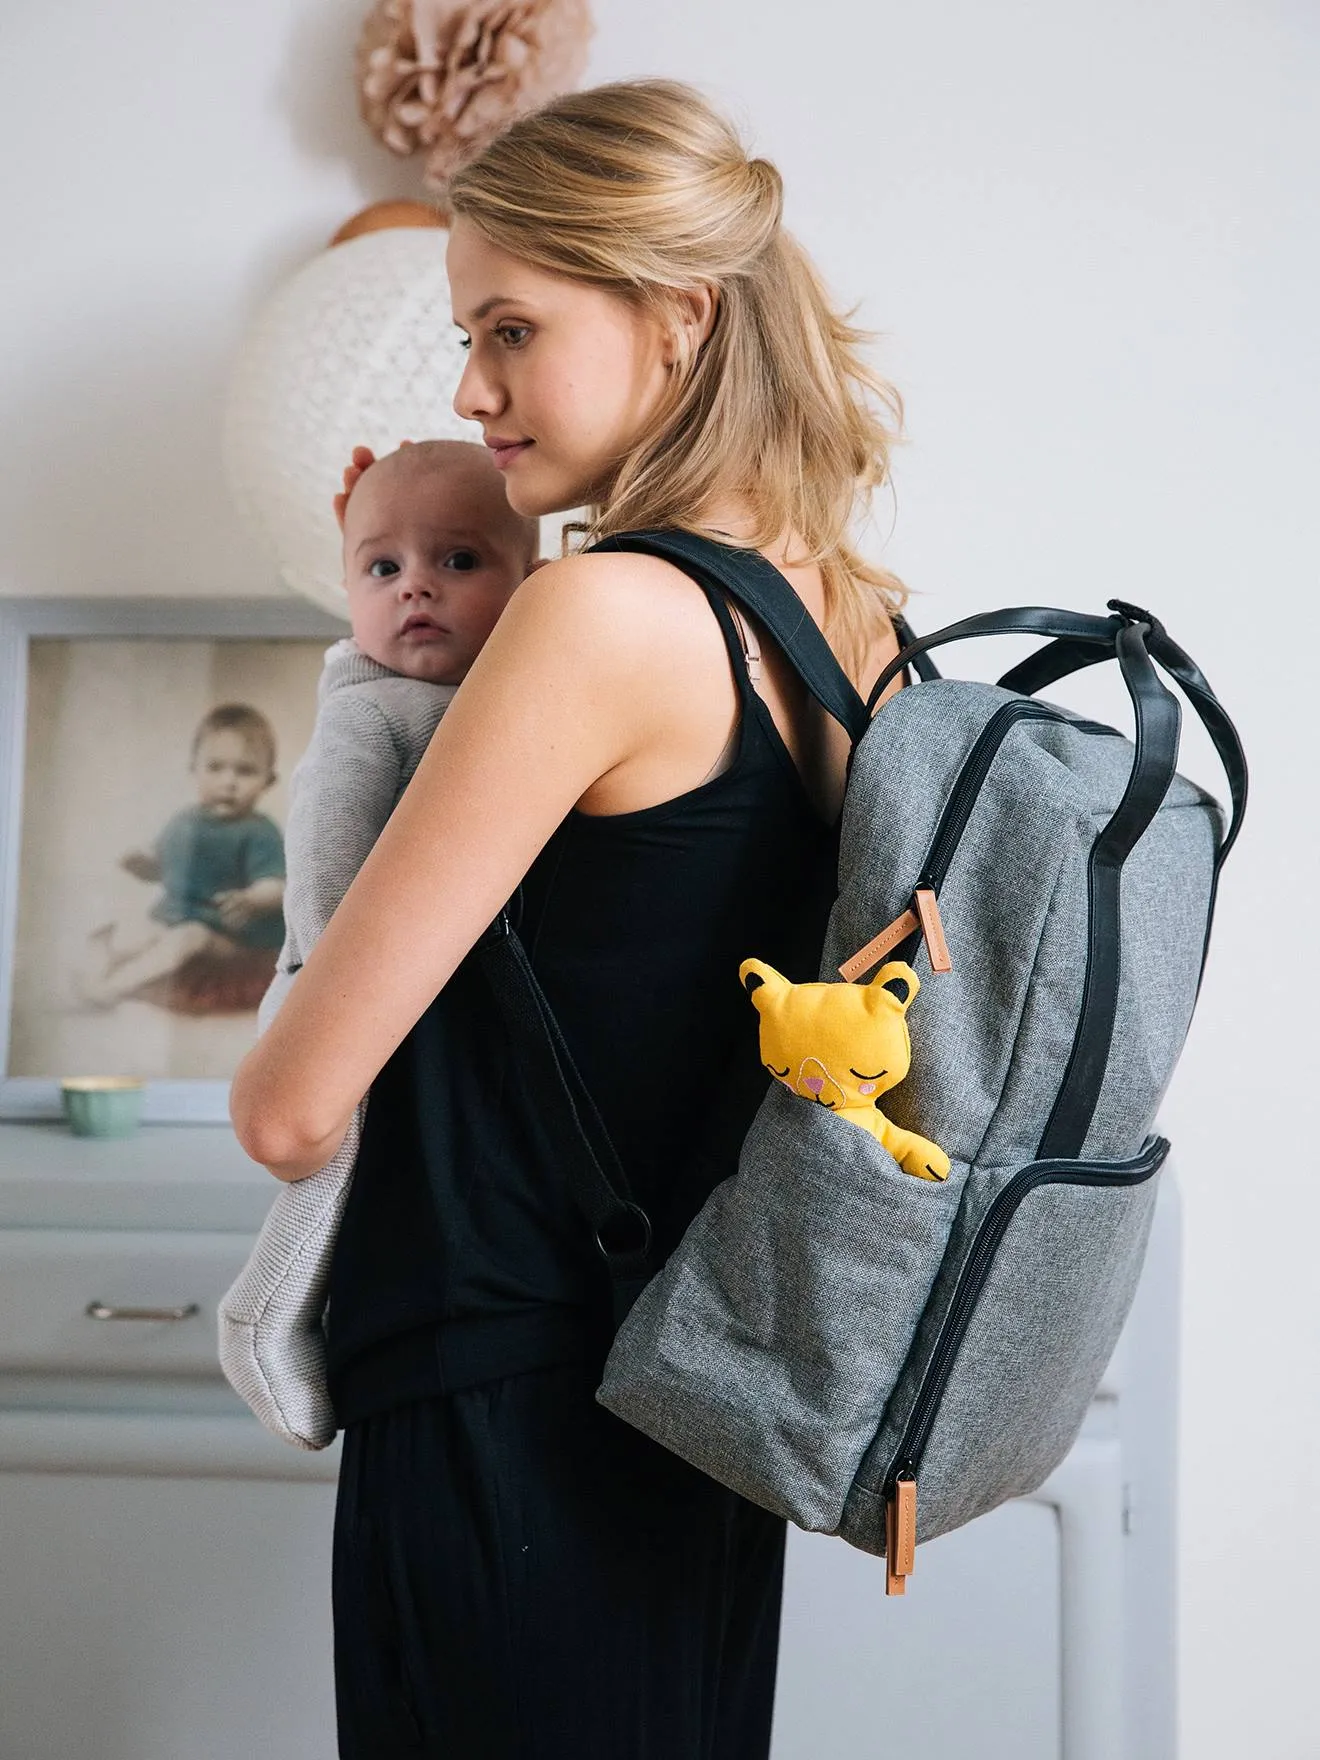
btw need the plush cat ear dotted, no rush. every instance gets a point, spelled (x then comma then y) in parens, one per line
(762, 982)
(898, 981)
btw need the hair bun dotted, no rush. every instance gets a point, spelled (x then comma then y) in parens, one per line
(765, 193)
(768, 186)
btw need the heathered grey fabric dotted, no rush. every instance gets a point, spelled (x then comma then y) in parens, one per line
(782, 1347)
(372, 727)
(1043, 1330)
(749, 1365)
(992, 1037)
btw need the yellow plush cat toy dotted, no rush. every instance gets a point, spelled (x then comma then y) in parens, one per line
(843, 1046)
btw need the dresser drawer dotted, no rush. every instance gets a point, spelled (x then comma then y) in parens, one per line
(123, 1303)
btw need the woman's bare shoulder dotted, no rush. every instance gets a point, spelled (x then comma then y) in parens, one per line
(613, 604)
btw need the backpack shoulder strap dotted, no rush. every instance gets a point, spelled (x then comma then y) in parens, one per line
(758, 587)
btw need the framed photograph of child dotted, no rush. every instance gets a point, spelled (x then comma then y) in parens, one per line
(145, 753)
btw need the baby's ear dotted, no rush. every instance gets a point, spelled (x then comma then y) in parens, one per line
(762, 982)
(897, 982)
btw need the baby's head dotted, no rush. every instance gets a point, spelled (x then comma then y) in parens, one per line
(233, 760)
(432, 554)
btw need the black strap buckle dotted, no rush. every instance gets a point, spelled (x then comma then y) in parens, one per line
(625, 1235)
(1135, 614)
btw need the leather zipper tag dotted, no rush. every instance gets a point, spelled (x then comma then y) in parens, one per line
(900, 1536)
(933, 929)
(881, 944)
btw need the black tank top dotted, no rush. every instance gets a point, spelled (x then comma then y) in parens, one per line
(461, 1256)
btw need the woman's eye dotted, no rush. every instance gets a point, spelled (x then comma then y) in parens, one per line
(513, 335)
(465, 342)
(382, 568)
(463, 560)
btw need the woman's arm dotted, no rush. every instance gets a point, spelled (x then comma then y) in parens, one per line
(563, 692)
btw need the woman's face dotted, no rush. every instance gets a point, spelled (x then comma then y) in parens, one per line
(562, 377)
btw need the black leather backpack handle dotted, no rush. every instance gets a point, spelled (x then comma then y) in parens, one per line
(1056, 660)
(1026, 620)
(1154, 765)
(1062, 657)
(1223, 734)
(922, 664)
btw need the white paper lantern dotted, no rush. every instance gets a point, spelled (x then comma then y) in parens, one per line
(359, 348)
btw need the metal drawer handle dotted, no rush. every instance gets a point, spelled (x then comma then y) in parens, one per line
(103, 1311)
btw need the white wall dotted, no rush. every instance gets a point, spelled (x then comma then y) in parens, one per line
(1090, 235)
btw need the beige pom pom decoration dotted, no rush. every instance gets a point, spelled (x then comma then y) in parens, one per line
(445, 76)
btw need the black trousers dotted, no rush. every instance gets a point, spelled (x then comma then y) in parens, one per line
(520, 1576)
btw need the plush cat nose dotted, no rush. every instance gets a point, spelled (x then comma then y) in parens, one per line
(813, 1083)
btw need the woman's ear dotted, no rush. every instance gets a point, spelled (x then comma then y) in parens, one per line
(691, 324)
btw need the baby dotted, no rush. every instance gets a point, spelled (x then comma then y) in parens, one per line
(220, 865)
(432, 554)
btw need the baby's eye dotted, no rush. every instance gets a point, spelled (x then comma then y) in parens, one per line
(463, 560)
(382, 568)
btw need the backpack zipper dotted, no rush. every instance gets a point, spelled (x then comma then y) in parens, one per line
(967, 1293)
(971, 779)
(924, 914)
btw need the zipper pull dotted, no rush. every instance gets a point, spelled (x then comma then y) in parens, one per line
(932, 928)
(881, 944)
(926, 918)
(901, 1533)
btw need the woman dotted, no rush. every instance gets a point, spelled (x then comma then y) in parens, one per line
(516, 1573)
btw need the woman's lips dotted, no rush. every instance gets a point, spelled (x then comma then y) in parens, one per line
(505, 451)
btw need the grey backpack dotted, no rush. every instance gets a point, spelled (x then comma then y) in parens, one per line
(886, 1357)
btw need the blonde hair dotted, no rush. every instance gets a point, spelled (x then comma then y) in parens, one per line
(643, 189)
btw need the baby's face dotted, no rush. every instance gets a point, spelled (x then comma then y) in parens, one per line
(431, 559)
(232, 775)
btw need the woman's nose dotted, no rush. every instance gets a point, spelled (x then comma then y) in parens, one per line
(477, 397)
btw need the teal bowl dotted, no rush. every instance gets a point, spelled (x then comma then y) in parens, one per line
(102, 1106)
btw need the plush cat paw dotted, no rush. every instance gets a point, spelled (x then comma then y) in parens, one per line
(925, 1160)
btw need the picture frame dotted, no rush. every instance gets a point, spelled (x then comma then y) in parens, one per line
(280, 639)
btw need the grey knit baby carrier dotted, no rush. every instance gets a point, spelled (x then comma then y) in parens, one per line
(832, 1333)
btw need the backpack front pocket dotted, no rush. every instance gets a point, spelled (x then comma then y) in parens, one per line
(765, 1351)
(1014, 1345)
